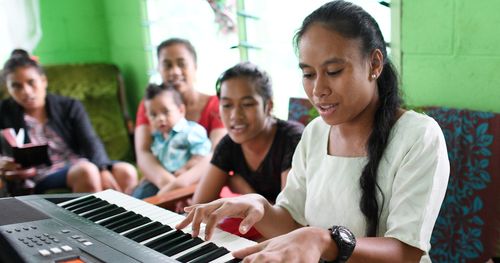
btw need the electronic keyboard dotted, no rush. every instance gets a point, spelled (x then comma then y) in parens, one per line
(107, 226)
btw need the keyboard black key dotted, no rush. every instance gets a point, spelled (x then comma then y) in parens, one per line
(110, 213)
(99, 210)
(219, 252)
(173, 242)
(142, 229)
(130, 225)
(183, 246)
(152, 233)
(81, 204)
(197, 253)
(74, 202)
(111, 220)
(122, 221)
(234, 260)
(154, 244)
(90, 207)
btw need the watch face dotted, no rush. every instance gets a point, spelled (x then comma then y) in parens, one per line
(346, 235)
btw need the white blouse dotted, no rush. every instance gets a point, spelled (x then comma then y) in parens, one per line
(323, 190)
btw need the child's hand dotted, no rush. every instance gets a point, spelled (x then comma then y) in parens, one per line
(180, 171)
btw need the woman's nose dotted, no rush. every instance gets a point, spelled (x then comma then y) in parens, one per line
(321, 87)
(175, 70)
(26, 89)
(236, 112)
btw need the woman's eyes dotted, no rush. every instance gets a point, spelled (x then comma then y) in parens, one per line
(307, 75)
(247, 105)
(244, 105)
(334, 72)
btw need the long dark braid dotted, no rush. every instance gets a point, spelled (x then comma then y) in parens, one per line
(353, 22)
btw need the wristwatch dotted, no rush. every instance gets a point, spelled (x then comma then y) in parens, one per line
(345, 241)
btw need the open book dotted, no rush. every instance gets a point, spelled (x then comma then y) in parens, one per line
(27, 155)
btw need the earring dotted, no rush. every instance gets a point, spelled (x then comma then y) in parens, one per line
(374, 76)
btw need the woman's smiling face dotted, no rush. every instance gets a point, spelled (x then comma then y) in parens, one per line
(243, 110)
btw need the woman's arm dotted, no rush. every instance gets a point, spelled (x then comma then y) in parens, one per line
(309, 244)
(146, 161)
(190, 163)
(210, 185)
(216, 135)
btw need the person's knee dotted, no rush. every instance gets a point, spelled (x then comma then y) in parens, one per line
(126, 175)
(126, 170)
(84, 177)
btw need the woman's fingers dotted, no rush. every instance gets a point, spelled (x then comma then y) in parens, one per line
(8, 164)
(244, 252)
(20, 174)
(186, 220)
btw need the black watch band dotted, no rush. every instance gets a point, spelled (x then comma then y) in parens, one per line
(345, 241)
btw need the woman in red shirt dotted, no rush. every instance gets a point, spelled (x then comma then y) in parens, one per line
(177, 66)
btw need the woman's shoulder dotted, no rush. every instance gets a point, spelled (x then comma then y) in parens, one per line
(289, 127)
(211, 101)
(415, 122)
(413, 126)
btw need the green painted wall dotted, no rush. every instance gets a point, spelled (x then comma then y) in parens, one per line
(111, 31)
(450, 53)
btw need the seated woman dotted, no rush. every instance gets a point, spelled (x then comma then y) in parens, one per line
(79, 160)
(256, 154)
(177, 66)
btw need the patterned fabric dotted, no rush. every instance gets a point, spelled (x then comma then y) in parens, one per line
(301, 110)
(467, 228)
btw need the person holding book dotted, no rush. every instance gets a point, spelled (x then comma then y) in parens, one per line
(178, 144)
(79, 160)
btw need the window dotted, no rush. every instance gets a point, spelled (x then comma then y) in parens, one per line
(272, 33)
(19, 26)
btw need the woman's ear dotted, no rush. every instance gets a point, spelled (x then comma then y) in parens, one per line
(43, 79)
(268, 107)
(376, 64)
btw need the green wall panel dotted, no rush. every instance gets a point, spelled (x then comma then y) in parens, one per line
(85, 31)
(450, 54)
(427, 26)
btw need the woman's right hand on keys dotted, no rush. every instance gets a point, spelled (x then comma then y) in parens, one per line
(250, 207)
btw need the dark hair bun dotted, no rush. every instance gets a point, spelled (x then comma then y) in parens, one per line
(19, 53)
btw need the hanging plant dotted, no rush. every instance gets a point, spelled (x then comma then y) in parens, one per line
(224, 11)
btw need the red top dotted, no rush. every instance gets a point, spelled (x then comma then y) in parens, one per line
(209, 118)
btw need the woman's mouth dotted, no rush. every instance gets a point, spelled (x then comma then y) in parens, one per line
(326, 109)
(239, 128)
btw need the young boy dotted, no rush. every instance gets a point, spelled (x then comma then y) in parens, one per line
(177, 143)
